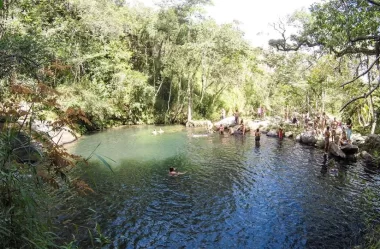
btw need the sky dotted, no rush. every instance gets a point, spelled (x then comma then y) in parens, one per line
(254, 16)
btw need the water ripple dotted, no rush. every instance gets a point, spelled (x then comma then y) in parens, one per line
(235, 194)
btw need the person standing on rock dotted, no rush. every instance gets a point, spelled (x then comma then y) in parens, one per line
(236, 114)
(349, 130)
(327, 139)
(316, 125)
(324, 120)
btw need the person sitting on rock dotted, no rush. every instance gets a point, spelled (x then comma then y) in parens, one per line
(343, 138)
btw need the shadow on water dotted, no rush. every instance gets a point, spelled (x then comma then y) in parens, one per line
(236, 193)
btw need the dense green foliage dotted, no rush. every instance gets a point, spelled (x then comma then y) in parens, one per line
(112, 63)
(347, 30)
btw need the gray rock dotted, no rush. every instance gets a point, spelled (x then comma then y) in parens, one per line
(350, 149)
(199, 123)
(366, 156)
(357, 139)
(298, 138)
(308, 138)
(336, 151)
(227, 122)
(320, 143)
(272, 133)
(289, 134)
(24, 150)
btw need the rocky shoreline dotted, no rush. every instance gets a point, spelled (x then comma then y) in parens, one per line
(364, 147)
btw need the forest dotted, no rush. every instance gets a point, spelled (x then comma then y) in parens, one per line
(95, 64)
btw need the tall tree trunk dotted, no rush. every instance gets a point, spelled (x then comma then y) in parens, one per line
(189, 100)
(204, 78)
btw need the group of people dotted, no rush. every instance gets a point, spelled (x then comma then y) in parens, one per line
(241, 129)
(331, 129)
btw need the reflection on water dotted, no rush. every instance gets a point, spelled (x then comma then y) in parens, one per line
(236, 193)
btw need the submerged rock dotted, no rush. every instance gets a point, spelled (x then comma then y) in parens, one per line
(336, 151)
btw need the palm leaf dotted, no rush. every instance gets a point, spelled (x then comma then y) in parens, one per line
(104, 162)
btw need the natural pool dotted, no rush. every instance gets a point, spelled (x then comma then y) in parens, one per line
(234, 194)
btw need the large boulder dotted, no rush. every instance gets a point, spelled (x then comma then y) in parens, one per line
(257, 124)
(357, 139)
(336, 151)
(24, 150)
(289, 134)
(64, 136)
(227, 122)
(350, 149)
(320, 143)
(199, 123)
(272, 133)
(372, 144)
(368, 158)
(308, 138)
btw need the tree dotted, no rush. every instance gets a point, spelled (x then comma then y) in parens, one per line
(344, 28)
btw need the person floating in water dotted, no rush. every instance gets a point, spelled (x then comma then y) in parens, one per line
(154, 132)
(327, 139)
(174, 172)
(160, 131)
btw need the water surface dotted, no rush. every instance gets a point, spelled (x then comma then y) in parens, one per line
(235, 194)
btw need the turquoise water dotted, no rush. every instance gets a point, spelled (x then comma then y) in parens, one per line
(234, 193)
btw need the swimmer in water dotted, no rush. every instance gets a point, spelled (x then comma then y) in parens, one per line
(174, 172)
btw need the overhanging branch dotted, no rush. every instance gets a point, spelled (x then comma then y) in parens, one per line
(364, 96)
(362, 74)
(374, 2)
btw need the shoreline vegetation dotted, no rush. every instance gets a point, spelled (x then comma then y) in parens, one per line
(69, 68)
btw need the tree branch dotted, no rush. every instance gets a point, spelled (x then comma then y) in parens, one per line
(364, 96)
(374, 3)
(364, 73)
